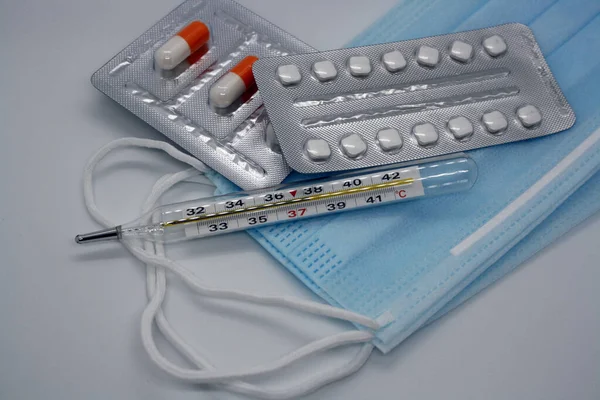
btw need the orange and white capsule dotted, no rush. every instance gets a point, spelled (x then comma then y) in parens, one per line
(233, 84)
(182, 45)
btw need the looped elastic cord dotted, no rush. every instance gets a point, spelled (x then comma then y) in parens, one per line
(153, 255)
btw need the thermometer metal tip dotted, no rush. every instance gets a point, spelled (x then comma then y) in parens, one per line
(99, 236)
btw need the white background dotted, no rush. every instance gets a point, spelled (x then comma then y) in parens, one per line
(70, 314)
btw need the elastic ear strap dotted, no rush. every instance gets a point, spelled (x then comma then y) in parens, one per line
(156, 287)
(88, 182)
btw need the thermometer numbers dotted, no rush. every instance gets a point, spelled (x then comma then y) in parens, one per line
(273, 196)
(258, 220)
(217, 227)
(352, 183)
(191, 212)
(391, 176)
(340, 205)
(307, 191)
(234, 203)
(374, 199)
(296, 213)
(299, 212)
(336, 205)
(221, 226)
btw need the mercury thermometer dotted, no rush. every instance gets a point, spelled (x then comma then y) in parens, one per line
(238, 211)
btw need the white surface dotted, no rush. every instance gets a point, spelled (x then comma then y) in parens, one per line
(494, 121)
(172, 53)
(359, 65)
(324, 70)
(70, 314)
(226, 90)
(289, 74)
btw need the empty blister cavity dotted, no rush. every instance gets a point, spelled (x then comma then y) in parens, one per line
(271, 139)
(289, 74)
(353, 145)
(426, 134)
(421, 98)
(394, 61)
(359, 66)
(460, 127)
(324, 70)
(389, 139)
(529, 116)
(428, 56)
(495, 122)
(461, 51)
(495, 46)
(317, 150)
(189, 76)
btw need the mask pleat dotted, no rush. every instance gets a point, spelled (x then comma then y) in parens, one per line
(415, 19)
(573, 60)
(498, 12)
(368, 260)
(553, 29)
(396, 236)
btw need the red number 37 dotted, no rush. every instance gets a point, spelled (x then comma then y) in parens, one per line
(296, 213)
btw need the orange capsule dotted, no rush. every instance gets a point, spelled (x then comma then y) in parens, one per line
(182, 45)
(233, 84)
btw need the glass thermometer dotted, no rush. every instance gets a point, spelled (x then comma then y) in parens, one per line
(290, 202)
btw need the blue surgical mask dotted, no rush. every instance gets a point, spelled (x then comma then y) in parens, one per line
(417, 261)
(390, 270)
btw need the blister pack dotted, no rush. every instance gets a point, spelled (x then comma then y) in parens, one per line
(365, 106)
(190, 77)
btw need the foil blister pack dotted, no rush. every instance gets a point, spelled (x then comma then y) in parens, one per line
(386, 103)
(232, 139)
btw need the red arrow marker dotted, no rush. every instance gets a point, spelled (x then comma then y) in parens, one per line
(293, 193)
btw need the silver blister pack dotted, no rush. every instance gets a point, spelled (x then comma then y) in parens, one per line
(233, 140)
(365, 106)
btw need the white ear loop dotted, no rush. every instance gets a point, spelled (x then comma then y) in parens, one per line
(153, 255)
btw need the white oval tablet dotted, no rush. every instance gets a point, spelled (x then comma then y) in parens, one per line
(353, 145)
(393, 61)
(317, 149)
(494, 121)
(426, 134)
(428, 56)
(359, 66)
(494, 46)
(324, 70)
(389, 139)
(461, 51)
(288, 74)
(460, 127)
(529, 116)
